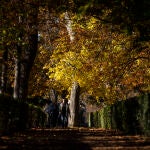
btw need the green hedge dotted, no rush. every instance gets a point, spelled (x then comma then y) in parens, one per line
(101, 118)
(131, 116)
(18, 115)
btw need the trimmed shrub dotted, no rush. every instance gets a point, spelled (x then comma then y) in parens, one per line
(131, 116)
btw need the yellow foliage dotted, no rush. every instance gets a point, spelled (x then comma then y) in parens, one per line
(99, 61)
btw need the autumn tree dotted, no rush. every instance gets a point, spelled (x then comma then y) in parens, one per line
(99, 60)
(129, 21)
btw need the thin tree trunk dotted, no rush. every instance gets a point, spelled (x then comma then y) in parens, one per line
(16, 80)
(69, 27)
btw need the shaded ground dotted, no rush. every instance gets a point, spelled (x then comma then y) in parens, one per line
(73, 139)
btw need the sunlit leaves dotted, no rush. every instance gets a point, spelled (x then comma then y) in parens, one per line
(104, 63)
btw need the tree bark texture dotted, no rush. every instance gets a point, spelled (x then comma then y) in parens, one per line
(74, 105)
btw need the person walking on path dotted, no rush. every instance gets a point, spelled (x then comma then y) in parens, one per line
(64, 113)
(48, 109)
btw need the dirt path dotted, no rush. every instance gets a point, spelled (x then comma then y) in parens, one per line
(73, 139)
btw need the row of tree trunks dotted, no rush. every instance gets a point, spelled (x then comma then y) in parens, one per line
(25, 55)
(26, 45)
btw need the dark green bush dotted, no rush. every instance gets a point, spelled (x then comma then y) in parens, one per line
(131, 116)
(18, 115)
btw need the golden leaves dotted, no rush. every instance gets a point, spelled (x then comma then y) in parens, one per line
(104, 63)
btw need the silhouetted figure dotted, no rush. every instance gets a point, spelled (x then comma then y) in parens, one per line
(49, 110)
(55, 114)
(64, 113)
(82, 115)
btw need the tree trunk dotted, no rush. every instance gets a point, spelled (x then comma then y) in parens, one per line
(4, 72)
(74, 105)
(26, 64)
(17, 73)
(75, 92)
(25, 60)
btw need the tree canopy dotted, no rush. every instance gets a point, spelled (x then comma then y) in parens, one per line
(108, 56)
(103, 62)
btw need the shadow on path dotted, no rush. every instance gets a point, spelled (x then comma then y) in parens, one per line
(44, 139)
(73, 139)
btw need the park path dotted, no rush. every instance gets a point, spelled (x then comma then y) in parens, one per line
(73, 139)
